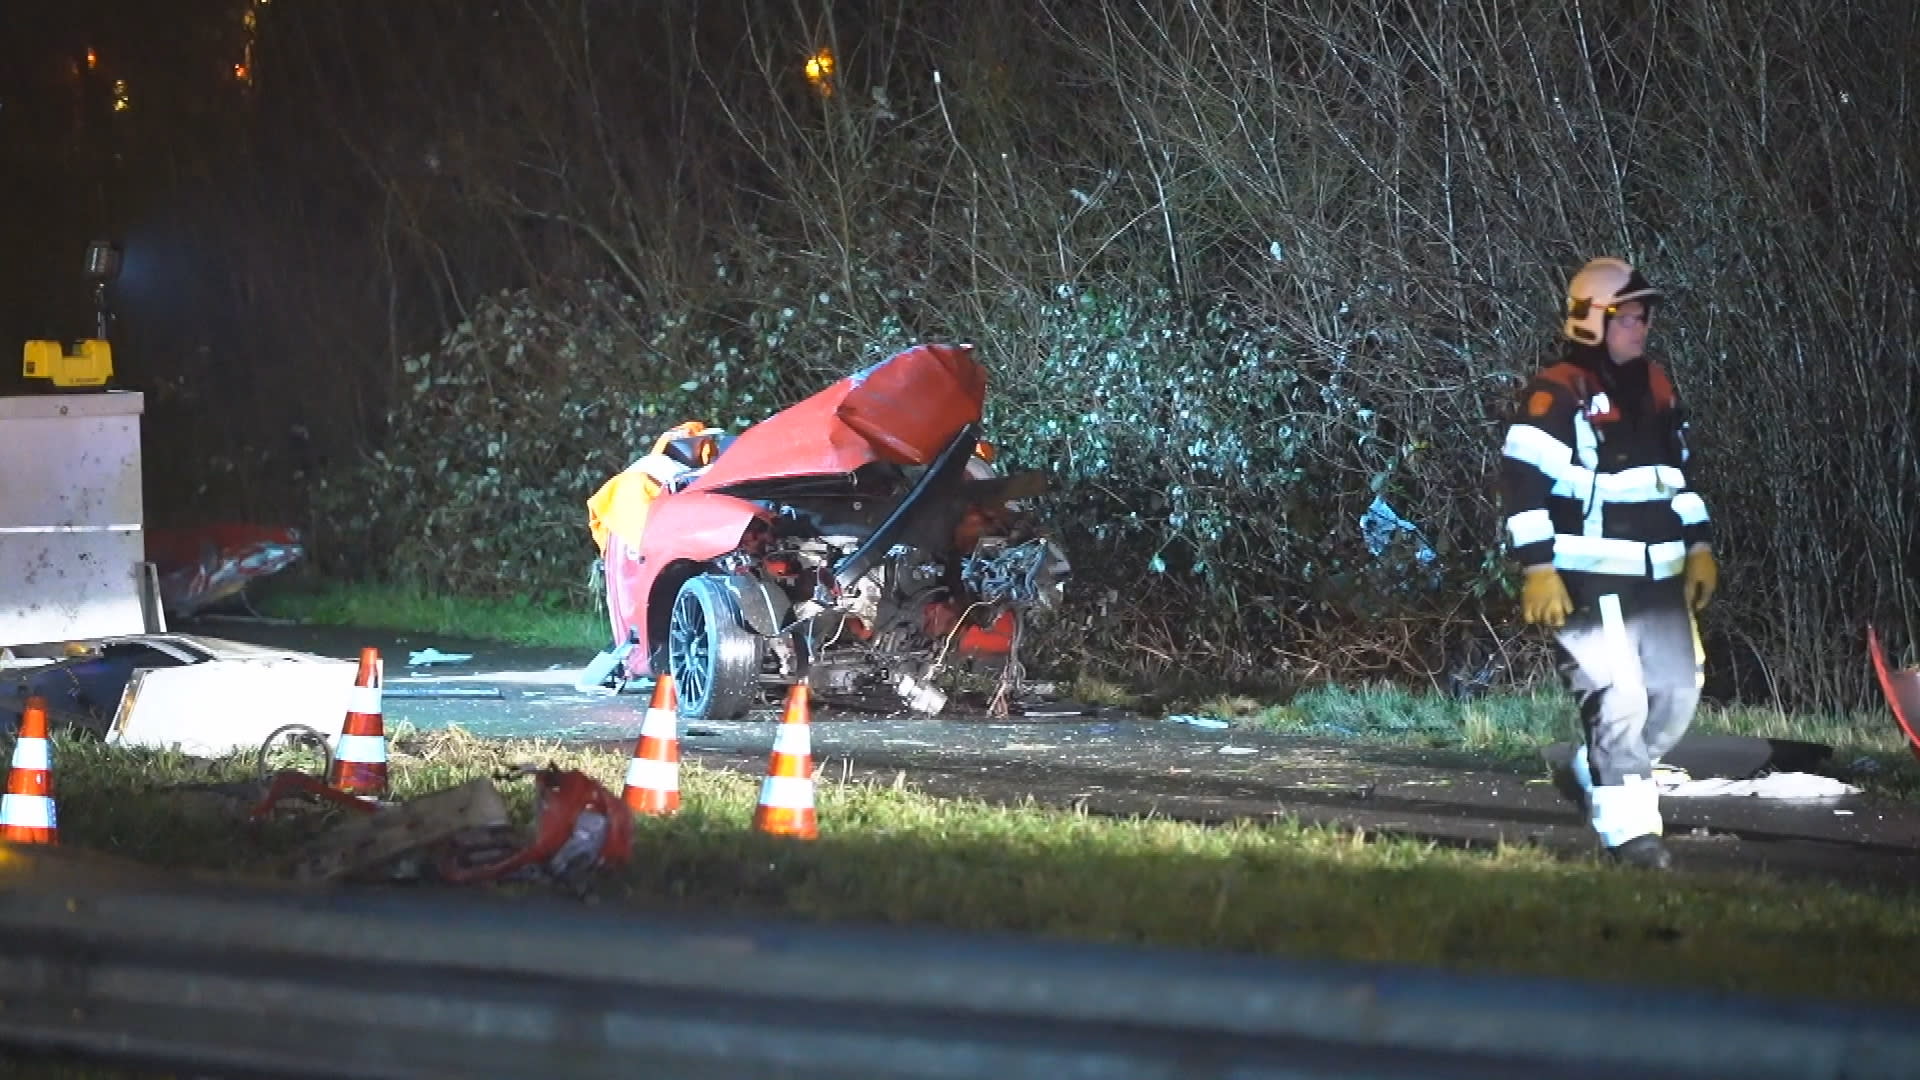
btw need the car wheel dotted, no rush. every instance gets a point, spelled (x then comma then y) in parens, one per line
(714, 658)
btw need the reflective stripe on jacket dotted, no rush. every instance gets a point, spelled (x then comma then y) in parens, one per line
(1596, 486)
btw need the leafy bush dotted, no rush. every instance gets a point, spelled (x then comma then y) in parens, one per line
(1255, 285)
(498, 436)
(1188, 452)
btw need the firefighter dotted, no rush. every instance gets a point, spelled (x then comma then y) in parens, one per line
(1615, 546)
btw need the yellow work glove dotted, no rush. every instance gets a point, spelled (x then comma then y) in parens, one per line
(1544, 599)
(1703, 577)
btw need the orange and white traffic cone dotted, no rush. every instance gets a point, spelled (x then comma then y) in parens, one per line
(653, 773)
(27, 813)
(360, 757)
(786, 795)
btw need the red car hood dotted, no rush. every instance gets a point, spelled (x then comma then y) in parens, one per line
(903, 411)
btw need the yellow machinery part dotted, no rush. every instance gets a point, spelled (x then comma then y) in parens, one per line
(90, 364)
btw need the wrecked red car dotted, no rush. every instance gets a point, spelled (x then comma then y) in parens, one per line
(861, 540)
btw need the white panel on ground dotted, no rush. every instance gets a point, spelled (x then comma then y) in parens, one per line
(219, 697)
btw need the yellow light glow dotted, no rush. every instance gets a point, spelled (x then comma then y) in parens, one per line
(240, 72)
(819, 69)
(93, 59)
(247, 19)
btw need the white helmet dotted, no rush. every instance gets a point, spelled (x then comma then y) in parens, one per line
(1596, 291)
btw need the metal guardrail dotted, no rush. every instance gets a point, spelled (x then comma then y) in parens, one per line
(403, 984)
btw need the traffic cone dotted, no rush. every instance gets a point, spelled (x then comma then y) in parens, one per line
(786, 796)
(360, 758)
(653, 773)
(27, 814)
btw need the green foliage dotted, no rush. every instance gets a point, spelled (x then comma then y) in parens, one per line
(556, 618)
(497, 437)
(1208, 448)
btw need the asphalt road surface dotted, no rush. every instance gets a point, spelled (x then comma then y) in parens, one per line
(1120, 763)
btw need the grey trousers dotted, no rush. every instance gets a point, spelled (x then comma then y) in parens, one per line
(1632, 655)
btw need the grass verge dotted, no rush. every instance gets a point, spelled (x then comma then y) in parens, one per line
(895, 856)
(530, 621)
(1868, 747)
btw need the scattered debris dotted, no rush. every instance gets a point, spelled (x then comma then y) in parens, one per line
(580, 826)
(429, 656)
(1237, 750)
(401, 688)
(1779, 785)
(364, 844)
(287, 784)
(283, 743)
(461, 835)
(1056, 710)
(599, 673)
(1381, 526)
(556, 677)
(1212, 723)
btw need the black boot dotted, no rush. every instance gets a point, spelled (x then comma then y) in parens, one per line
(1646, 852)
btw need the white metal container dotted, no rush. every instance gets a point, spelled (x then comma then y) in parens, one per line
(72, 543)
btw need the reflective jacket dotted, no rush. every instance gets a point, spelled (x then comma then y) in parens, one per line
(1597, 486)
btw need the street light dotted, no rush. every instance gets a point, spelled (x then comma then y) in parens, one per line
(103, 266)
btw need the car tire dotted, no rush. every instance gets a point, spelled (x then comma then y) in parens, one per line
(714, 658)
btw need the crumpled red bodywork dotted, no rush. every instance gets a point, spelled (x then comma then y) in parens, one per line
(902, 411)
(562, 798)
(1902, 690)
(201, 566)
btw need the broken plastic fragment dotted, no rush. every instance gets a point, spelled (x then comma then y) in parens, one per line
(1379, 524)
(427, 656)
(596, 675)
(1779, 785)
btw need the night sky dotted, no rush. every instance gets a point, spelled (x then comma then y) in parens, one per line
(104, 107)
